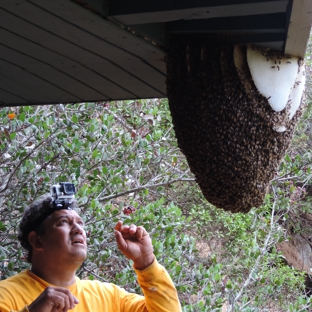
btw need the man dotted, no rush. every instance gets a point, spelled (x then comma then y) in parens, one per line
(56, 242)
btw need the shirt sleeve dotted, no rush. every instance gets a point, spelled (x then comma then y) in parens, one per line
(158, 289)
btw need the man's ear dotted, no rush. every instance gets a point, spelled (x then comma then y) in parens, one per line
(34, 240)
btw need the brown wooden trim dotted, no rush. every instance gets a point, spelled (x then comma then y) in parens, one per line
(299, 28)
(144, 12)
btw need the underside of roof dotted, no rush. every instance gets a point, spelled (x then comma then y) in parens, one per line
(61, 51)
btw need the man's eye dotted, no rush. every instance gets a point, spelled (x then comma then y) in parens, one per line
(63, 221)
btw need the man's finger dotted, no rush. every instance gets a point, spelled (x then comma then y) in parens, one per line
(120, 240)
(60, 302)
(69, 297)
(118, 226)
(132, 229)
(141, 232)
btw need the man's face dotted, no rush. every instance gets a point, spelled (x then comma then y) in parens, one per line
(64, 238)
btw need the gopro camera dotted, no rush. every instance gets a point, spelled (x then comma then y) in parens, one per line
(63, 195)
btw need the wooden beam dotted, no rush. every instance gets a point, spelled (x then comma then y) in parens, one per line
(299, 28)
(144, 12)
(270, 23)
(110, 33)
(20, 89)
(8, 97)
(49, 92)
(98, 64)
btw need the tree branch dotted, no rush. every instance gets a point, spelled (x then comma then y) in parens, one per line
(147, 186)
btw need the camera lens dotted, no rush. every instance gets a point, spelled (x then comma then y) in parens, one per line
(69, 188)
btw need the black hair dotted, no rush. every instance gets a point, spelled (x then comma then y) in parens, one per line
(33, 220)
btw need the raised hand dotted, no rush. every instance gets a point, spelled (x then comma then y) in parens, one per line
(135, 243)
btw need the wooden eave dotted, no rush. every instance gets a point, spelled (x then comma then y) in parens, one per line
(61, 51)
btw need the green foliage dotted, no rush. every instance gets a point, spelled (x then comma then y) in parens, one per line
(252, 272)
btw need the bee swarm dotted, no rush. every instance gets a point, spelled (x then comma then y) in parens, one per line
(232, 137)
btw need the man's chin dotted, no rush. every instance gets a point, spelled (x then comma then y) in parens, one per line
(80, 256)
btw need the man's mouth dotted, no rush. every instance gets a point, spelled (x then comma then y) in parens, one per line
(78, 242)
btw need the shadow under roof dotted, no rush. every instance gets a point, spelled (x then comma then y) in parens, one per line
(61, 51)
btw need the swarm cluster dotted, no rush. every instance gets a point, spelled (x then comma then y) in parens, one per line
(223, 125)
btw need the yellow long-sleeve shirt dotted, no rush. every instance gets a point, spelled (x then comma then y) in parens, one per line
(160, 295)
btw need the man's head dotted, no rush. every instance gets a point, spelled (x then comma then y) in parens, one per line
(35, 220)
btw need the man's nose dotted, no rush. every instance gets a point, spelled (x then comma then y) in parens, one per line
(77, 228)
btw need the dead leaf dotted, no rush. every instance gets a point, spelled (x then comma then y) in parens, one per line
(148, 117)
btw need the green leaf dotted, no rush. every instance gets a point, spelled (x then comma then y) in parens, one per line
(178, 269)
(95, 154)
(148, 137)
(74, 118)
(21, 116)
(12, 135)
(2, 226)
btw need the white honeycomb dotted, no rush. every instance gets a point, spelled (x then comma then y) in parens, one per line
(274, 78)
